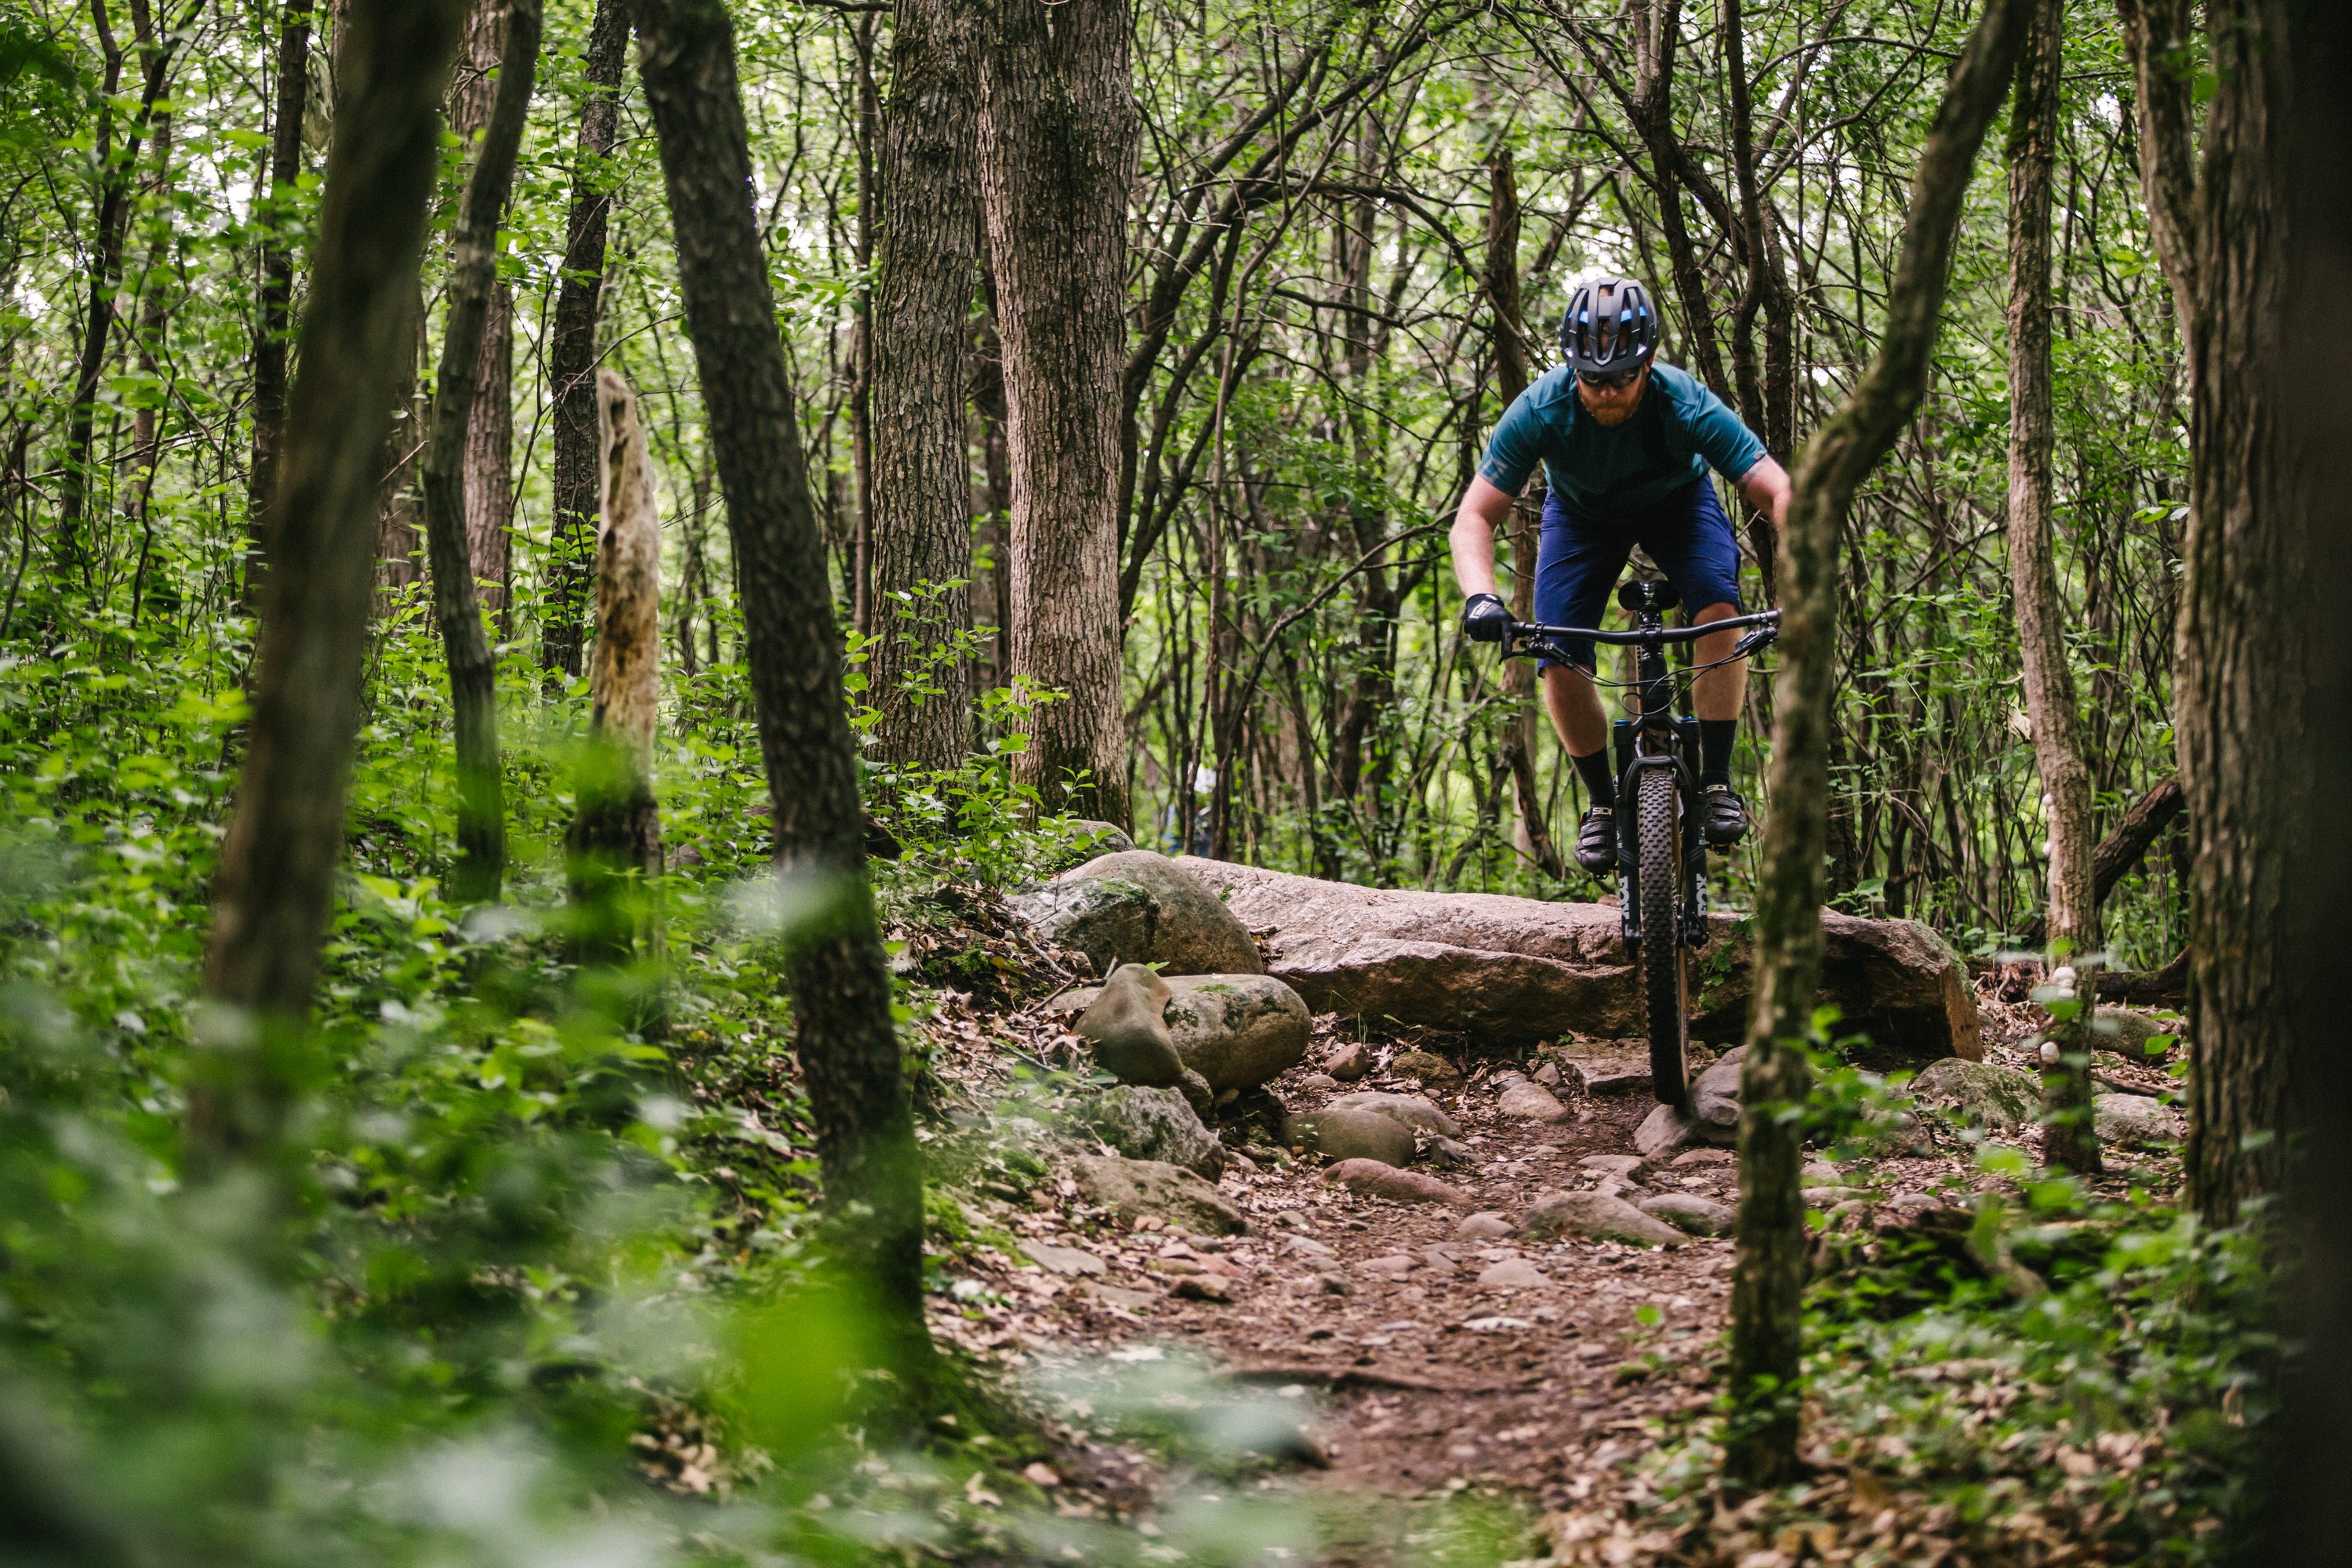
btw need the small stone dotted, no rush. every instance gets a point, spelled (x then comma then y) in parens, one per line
(1214, 1287)
(1335, 1284)
(1512, 1274)
(1617, 1073)
(1041, 1476)
(1664, 1129)
(1829, 1197)
(1629, 1166)
(2135, 1119)
(1531, 1103)
(1705, 1157)
(1981, 1094)
(1487, 1227)
(1432, 1070)
(1350, 1063)
(1689, 1212)
(1406, 1109)
(1820, 1173)
(1134, 1188)
(2132, 1036)
(1548, 1075)
(1395, 1266)
(1441, 1257)
(1344, 1134)
(1318, 1080)
(1619, 1187)
(1373, 1179)
(1450, 1151)
(1715, 1096)
(1596, 1217)
(1306, 1246)
(1063, 1259)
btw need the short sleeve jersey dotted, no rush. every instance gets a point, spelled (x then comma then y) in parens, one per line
(1678, 431)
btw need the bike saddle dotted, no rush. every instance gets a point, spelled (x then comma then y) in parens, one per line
(1648, 594)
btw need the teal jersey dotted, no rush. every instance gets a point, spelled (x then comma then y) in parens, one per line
(1678, 432)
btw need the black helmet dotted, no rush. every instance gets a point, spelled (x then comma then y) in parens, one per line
(1610, 325)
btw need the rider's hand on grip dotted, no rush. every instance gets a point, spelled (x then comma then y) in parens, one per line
(1483, 618)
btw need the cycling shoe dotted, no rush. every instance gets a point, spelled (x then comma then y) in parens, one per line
(1596, 841)
(1723, 815)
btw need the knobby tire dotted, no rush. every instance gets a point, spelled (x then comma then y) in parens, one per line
(1665, 985)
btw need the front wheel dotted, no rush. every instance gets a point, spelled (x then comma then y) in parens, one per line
(1665, 979)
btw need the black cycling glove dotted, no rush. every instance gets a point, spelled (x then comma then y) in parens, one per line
(1483, 618)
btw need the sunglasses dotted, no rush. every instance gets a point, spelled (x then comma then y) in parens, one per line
(1609, 380)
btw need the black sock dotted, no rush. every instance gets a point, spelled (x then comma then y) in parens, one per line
(1599, 782)
(1715, 737)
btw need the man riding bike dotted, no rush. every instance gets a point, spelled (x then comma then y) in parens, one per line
(1625, 443)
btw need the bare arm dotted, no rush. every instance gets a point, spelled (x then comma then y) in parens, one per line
(1483, 507)
(1765, 486)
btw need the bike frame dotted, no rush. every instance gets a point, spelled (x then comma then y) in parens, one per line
(1656, 737)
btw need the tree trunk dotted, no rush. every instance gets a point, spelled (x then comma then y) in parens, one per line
(2123, 847)
(616, 834)
(840, 982)
(1058, 128)
(571, 353)
(1533, 838)
(2156, 39)
(276, 883)
(922, 325)
(276, 291)
(473, 277)
(1767, 1322)
(490, 426)
(2242, 708)
(2069, 1139)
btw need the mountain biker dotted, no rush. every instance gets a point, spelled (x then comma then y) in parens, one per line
(1625, 443)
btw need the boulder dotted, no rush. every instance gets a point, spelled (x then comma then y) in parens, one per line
(1236, 1031)
(2128, 1034)
(1411, 1109)
(1981, 1094)
(1522, 968)
(2136, 1119)
(1612, 1072)
(1595, 1216)
(1373, 1179)
(1531, 1103)
(1690, 1213)
(1669, 1127)
(1339, 1134)
(1487, 1227)
(1153, 1124)
(1137, 907)
(1135, 1188)
(1125, 1024)
(1715, 1094)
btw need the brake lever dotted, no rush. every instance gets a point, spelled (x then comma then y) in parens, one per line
(1753, 640)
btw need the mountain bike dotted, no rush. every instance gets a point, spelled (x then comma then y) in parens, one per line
(1660, 868)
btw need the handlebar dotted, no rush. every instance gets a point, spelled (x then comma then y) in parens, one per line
(1522, 635)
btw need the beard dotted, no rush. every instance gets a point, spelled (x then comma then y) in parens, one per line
(1610, 417)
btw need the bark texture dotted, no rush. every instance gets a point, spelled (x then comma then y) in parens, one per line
(270, 332)
(616, 829)
(1766, 1317)
(2157, 38)
(277, 866)
(2069, 1140)
(1058, 128)
(572, 352)
(471, 288)
(922, 324)
(489, 430)
(840, 983)
(2243, 673)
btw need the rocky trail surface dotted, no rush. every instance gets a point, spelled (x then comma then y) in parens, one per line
(1456, 1275)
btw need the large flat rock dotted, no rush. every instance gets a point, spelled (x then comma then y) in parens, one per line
(1527, 969)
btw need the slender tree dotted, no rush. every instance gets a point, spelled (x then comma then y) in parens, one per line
(2070, 1137)
(473, 280)
(489, 426)
(271, 330)
(922, 325)
(571, 353)
(1058, 129)
(834, 965)
(277, 873)
(1767, 1314)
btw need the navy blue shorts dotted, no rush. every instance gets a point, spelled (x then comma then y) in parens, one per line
(1582, 555)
